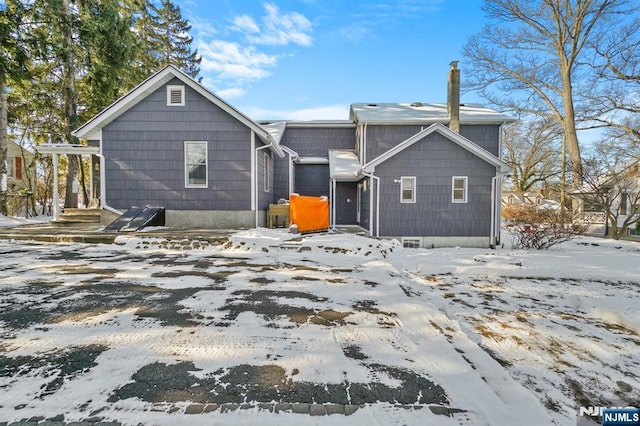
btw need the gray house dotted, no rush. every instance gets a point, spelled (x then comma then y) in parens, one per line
(428, 174)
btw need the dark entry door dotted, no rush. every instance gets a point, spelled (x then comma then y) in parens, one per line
(346, 201)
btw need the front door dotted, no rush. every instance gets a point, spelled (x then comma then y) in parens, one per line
(346, 202)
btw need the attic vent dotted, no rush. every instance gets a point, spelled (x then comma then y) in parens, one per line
(416, 104)
(175, 95)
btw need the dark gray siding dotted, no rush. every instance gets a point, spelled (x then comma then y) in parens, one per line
(434, 161)
(381, 139)
(281, 177)
(144, 152)
(312, 179)
(486, 136)
(317, 141)
(309, 142)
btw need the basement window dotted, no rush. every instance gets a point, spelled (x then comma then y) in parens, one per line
(411, 243)
(175, 95)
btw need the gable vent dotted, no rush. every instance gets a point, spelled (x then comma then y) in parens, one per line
(175, 95)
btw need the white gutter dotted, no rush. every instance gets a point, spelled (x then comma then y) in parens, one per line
(371, 179)
(332, 194)
(492, 239)
(257, 192)
(293, 156)
(364, 143)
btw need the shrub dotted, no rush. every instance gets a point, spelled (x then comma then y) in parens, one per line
(532, 227)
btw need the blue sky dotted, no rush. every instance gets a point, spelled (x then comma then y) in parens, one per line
(310, 59)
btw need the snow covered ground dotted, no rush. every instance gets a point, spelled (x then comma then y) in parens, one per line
(338, 321)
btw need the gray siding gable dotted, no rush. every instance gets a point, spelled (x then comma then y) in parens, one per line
(434, 162)
(144, 155)
(452, 136)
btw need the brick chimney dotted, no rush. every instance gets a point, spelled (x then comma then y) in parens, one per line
(453, 97)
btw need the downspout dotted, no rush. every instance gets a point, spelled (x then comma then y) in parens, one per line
(492, 234)
(56, 201)
(332, 194)
(377, 209)
(364, 143)
(257, 192)
(377, 205)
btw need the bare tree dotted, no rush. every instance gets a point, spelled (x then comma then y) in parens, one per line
(612, 185)
(531, 148)
(617, 63)
(533, 55)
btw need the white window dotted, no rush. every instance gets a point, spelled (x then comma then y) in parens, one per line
(195, 164)
(459, 189)
(411, 242)
(266, 166)
(408, 189)
(175, 95)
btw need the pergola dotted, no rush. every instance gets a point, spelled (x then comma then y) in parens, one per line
(66, 149)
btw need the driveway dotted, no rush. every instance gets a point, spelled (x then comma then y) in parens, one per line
(263, 328)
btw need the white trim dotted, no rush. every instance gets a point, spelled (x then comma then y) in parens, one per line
(266, 170)
(254, 166)
(153, 83)
(449, 134)
(412, 200)
(171, 88)
(254, 178)
(416, 242)
(206, 165)
(465, 199)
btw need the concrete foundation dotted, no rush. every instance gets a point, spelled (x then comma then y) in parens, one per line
(439, 242)
(214, 219)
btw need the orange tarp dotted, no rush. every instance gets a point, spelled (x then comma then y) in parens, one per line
(310, 214)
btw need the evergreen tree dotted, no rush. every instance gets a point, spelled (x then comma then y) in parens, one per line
(13, 60)
(171, 39)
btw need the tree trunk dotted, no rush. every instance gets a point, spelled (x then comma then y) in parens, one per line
(69, 104)
(4, 141)
(569, 126)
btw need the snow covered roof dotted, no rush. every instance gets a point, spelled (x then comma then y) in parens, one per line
(417, 112)
(344, 165)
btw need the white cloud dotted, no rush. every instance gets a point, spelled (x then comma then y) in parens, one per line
(328, 112)
(279, 28)
(245, 23)
(231, 61)
(356, 32)
(203, 28)
(231, 93)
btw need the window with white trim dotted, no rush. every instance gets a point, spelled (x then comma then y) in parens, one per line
(175, 95)
(459, 189)
(411, 242)
(266, 164)
(195, 164)
(408, 189)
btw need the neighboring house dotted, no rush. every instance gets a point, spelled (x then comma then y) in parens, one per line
(530, 198)
(429, 174)
(611, 202)
(20, 168)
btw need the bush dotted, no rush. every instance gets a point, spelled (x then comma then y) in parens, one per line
(532, 227)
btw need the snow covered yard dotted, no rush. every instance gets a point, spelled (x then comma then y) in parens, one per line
(324, 329)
